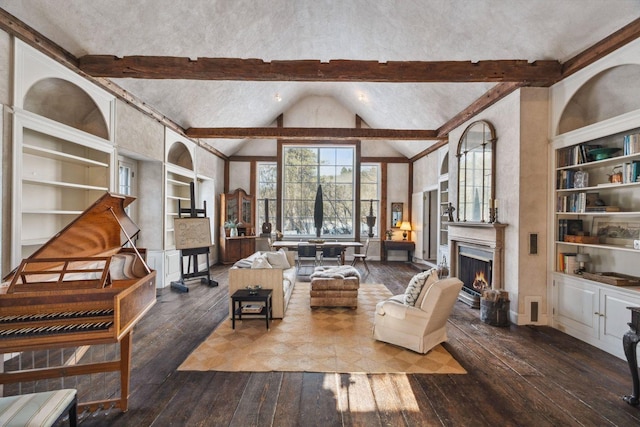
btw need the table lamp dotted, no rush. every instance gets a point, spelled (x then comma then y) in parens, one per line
(405, 226)
(582, 259)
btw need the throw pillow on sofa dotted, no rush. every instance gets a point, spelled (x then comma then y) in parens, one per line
(278, 259)
(260, 262)
(414, 289)
(432, 277)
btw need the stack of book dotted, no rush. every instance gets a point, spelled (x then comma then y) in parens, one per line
(252, 308)
(569, 227)
(631, 172)
(631, 144)
(575, 155)
(567, 262)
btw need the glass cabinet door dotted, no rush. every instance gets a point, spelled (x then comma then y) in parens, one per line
(246, 210)
(232, 209)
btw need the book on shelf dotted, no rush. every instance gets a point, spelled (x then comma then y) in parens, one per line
(568, 226)
(566, 258)
(631, 144)
(570, 263)
(631, 172)
(575, 155)
(602, 209)
(252, 308)
(576, 202)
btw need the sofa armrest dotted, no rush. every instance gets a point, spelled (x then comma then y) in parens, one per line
(398, 310)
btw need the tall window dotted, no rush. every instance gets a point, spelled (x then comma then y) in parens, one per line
(126, 183)
(304, 169)
(369, 197)
(266, 190)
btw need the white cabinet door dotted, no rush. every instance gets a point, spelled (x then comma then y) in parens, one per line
(576, 307)
(614, 317)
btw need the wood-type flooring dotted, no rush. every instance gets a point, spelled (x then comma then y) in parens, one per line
(517, 376)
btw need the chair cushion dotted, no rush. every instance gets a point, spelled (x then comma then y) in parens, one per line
(416, 284)
(35, 409)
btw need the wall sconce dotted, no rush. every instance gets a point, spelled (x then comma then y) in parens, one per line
(405, 226)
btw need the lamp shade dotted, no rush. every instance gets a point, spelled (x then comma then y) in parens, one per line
(583, 258)
(405, 226)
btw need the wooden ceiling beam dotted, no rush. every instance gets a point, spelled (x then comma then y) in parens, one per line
(490, 97)
(306, 134)
(166, 67)
(616, 40)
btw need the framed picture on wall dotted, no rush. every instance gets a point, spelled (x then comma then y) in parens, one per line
(396, 214)
(616, 231)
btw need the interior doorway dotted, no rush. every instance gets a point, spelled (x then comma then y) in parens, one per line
(430, 230)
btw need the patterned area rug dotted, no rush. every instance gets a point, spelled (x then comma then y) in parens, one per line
(315, 340)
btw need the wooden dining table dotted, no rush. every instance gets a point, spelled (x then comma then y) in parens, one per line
(293, 245)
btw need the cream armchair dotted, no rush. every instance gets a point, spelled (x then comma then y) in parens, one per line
(418, 328)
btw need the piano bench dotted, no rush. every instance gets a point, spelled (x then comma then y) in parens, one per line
(39, 409)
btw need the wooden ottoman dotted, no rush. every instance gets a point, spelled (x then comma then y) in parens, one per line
(334, 292)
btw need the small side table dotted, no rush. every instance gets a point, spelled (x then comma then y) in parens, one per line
(244, 295)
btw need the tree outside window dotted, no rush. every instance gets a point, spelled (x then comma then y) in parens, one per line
(369, 196)
(304, 169)
(266, 189)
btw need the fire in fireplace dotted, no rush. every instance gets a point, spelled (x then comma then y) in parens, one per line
(475, 268)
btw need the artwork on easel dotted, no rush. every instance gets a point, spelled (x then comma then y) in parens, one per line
(192, 232)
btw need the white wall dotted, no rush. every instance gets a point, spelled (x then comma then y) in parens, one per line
(521, 121)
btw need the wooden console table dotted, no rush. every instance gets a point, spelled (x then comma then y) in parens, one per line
(398, 245)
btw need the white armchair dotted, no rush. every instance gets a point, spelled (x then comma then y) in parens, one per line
(418, 328)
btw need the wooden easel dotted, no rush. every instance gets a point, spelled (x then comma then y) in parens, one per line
(193, 252)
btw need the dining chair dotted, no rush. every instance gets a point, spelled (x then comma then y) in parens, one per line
(306, 251)
(331, 252)
(362, 256)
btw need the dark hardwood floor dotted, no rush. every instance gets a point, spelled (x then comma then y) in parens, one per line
(520, 375)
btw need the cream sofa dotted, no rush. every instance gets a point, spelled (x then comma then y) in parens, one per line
(280, 280)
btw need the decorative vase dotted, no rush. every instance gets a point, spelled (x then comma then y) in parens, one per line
(233, 232)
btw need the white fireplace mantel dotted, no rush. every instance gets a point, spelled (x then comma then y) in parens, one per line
(487, 236)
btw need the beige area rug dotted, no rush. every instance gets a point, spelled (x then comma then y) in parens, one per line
(326, 339)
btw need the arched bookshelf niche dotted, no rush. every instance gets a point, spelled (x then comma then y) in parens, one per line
(610, 93)
(598, 113)
(64, 102)
(443, 203)
(179, 176)
(63, 156)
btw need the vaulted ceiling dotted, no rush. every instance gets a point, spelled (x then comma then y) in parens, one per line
(323, 31)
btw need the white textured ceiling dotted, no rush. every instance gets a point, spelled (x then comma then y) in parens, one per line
(392, 30)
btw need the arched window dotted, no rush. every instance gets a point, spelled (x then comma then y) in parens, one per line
(476, 172)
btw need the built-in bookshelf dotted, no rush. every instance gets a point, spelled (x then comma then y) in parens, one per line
(60, 172)
(596, 220)
(444, 215)
(597, 195)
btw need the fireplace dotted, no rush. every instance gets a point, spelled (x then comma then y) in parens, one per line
(476, 249)
(475, 270)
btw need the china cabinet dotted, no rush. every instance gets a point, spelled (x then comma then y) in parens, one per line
(237, 213)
